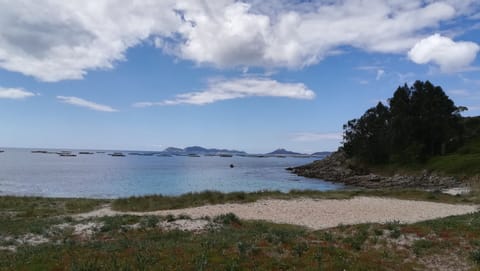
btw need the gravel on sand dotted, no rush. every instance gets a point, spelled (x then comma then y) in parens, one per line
(318, 213)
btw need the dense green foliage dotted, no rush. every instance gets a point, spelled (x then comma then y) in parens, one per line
(420, 122)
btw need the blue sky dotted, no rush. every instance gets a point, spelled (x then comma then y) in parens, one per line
(245, 75)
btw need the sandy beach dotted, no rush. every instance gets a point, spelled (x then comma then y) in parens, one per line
(317, 214)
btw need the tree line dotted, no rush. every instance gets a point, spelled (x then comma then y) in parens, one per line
(419, 121)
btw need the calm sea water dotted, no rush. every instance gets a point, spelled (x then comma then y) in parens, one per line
(103, 176)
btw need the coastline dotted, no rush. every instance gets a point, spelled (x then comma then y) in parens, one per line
(337, 168)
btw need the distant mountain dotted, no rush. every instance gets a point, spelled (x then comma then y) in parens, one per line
(225, 151)
(173, 150)
(321, 153)
(283, 152)
(201, 150)
(195, 149)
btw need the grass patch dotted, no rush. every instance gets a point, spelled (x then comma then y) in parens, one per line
(43, 207)
(227, 219)
(421, 246)
(160, 202)
(21, 215)
(463, 163)
(242, 245)
(475, 256)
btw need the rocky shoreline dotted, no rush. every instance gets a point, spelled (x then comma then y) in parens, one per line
(337, 168)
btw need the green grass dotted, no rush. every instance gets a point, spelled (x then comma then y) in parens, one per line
(160, 202)
(253, 245)
(20, 215)
(233, 244)
(463, 163)
(41, 207)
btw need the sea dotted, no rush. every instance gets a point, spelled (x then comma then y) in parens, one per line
(100, 175)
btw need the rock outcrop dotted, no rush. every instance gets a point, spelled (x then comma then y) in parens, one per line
(338, 168)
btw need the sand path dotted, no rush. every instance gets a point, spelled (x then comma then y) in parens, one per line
(317, 214)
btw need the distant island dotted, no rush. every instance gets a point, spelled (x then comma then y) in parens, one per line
(198, 150)
(193, 151)
(283, 152)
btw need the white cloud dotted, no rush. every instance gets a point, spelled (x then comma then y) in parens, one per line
(15, 93)
(475, 16)
(473, 108)
(297, 36)
(459, 92)
(380, 73)
(363, 82)
(449, 55)
(219, 90)
(368, 68)
(84, 103)
(56, 40)
(313, 137)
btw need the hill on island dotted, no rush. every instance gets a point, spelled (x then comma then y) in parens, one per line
(200, 150)
(321, 153)
(283, 152)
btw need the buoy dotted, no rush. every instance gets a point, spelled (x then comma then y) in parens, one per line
(232, 166)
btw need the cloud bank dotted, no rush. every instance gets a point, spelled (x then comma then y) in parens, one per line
(15, 93)
(449, 55)
(220, 90)
(56, 40)
(84, 103)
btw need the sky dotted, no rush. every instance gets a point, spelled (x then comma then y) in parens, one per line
(247, 75)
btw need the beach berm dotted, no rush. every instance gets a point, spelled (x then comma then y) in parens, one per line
(316, 213)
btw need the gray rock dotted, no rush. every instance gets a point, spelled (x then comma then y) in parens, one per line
(338, 168)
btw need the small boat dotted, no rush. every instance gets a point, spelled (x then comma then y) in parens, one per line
(39, 151)
(193, 155)
(225, 155)
(85, 152)
(141, 153)
(117, 154)
(2, 151)
(66, 154)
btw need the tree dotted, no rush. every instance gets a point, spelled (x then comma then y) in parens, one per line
(401, 124)
(366, 137)
(420, 122)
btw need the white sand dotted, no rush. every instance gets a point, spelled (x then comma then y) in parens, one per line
(318, 214)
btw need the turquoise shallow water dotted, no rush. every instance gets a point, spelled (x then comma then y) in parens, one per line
(103, 176)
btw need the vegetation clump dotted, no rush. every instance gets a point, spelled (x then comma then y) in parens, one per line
(419, 122)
